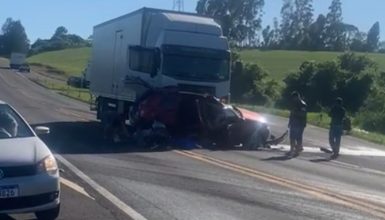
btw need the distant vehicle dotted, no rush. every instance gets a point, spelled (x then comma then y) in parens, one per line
(17, 59)
(164, 48)
(29, 174)
(24, 68)
(78, 82)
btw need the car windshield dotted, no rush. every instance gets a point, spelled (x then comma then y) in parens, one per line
(11, 124)
(196, 64)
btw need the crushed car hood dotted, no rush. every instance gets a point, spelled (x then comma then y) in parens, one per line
(22, 151)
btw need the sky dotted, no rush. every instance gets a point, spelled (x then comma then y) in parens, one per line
(41, 17)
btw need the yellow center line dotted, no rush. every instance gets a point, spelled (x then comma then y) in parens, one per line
(360, 204)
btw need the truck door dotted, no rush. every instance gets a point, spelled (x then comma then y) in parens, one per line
(118, 67)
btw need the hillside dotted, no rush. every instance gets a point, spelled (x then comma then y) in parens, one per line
(279, 63)
(71, 61)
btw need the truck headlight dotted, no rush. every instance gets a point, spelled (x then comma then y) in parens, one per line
(48, 165)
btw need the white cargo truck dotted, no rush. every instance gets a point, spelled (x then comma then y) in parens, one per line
(163, 48)
(17, 60)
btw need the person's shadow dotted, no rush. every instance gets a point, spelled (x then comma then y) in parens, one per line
(278, 158)
(320, 160)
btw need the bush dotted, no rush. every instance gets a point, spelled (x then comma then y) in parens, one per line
(250, 84)
(351, 77)
(371, 116)
(371, 121)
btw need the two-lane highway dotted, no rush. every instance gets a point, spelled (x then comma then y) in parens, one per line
(127, 180)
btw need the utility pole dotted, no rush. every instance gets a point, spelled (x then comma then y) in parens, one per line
(178, 5)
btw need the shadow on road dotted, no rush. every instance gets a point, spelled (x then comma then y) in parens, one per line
(278, 158)
(87, 138)
(82, 138)
(320, 160)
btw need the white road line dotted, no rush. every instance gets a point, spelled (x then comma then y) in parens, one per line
(358, 151)
(104, 192)
(351, 151)
(75, 187)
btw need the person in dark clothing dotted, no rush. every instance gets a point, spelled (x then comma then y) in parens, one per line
(297, 124)
(337, 115)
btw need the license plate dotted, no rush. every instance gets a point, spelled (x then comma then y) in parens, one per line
(9, 192)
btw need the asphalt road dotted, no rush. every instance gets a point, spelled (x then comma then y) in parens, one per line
(198, 183)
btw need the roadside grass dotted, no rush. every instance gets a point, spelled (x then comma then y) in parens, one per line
(69, 61)
(281, 62)
(63, 89)
(369, 136)
(320, 120)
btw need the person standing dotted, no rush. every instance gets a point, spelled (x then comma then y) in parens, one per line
(337, 115)
(297, 123)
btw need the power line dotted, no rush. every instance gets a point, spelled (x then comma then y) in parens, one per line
(178, 5)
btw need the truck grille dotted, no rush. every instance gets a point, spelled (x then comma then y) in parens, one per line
(197, 89)
(19, 171)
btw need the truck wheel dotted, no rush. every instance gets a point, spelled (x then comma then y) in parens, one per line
(49, 214)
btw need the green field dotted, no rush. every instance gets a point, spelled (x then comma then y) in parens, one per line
(279, 63)
(70, 61)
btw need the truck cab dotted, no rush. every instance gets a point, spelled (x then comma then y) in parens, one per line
(192, 53)
(163, 48)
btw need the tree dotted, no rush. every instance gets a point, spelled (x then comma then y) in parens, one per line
(373, 37)
(381, 47)
(303, 18)
(359, 42)
(316, 33)
(274, 43)
(14, 37)
(60, 32)
(59, 40)
(240, 19)
(267, 35)
(286, 30)
(334, 33)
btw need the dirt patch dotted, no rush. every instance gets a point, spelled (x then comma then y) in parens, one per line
(48, 71)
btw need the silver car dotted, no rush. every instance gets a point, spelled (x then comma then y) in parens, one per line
(29, 174)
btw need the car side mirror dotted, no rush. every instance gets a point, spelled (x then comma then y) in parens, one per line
(40, 130)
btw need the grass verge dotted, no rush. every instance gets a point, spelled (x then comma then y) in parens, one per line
(69, 61)
(82, 95)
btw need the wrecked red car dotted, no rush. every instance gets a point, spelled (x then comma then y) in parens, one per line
(165, 114)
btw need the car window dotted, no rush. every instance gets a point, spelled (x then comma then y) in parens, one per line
(11, 124)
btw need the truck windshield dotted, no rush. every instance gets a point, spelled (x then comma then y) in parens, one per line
(196, 64)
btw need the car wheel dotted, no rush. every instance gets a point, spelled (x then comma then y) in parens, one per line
(49, 214)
